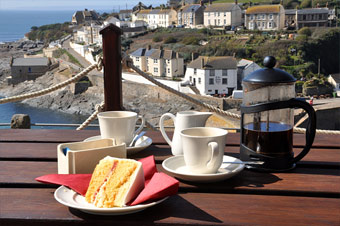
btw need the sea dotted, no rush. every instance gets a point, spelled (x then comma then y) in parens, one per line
(13, 26)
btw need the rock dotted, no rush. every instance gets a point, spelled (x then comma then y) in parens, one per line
(21, 121)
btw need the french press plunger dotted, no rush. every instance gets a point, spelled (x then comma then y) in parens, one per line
(267, 119)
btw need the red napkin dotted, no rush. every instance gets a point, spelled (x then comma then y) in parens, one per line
(157, 185)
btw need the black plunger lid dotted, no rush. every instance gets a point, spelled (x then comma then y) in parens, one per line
(269, 74)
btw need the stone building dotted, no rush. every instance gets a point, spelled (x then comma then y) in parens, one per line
(265, 17)
(190, 15)
(81, 17)
(299, 18)
(23, 69)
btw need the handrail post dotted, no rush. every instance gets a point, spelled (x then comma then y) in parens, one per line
(112, 58)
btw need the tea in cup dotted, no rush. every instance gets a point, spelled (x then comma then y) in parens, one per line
(119, 125)
(203, 149)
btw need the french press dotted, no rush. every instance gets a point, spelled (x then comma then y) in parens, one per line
(267, 119)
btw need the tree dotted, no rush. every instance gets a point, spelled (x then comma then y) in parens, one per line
(306, 4)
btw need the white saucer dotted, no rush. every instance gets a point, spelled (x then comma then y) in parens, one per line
(176, 166)
(140, 145)
(70, 198)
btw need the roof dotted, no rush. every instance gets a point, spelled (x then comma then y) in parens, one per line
(190, 8)
(264, 9)
(138, 52)
(154, 11)
(155, 53)
(244, 63)
(34, 61)
(217, 62)
(313, 11)
(336, 77)
(219, 7)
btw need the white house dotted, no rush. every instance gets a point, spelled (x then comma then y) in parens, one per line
(161, 18)
(213, 75)
(244, 68)
(334, 79)
(222, 15)
(158, 62)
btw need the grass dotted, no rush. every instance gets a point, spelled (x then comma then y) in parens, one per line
(72, 59)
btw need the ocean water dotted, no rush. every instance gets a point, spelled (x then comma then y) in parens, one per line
(15, 24)
(39, 116)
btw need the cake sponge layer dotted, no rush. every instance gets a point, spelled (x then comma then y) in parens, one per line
(115, 182)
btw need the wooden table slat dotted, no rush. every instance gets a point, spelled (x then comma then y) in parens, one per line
(39, 206)
(62, 136)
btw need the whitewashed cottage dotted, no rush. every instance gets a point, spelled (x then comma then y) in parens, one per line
(213, 75)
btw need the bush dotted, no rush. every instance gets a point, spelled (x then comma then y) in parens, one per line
(190, 40)
(305, 31)
(170, 39)
(157, 39)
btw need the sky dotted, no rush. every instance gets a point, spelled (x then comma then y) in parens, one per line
(74, 4)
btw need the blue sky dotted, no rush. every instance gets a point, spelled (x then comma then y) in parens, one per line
(73, 4)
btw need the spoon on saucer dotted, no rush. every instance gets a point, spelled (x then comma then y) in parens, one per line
(133, 142)
(246, 162)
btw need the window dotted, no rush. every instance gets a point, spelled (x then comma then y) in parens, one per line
(225, 21)
(214, 14)
(137, 58)
(211, 81)
(218, 21)
(168, 70)
(259, 24)
(212, 72)
(270, 16)
(199, 80)
(190, 78)
(251, 25)
(209, 22)
(270, 24)
(224, 72)
(208, 13)
(215, 22)
(218, 14)
(155, 61)
(155, 69)
(263, 16)
(224, 81)
(225, 14)
(259, 17)
(251, 17)
(168, 61)
(264, 24)
(195, 71)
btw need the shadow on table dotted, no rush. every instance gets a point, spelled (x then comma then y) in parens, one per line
(168, 211)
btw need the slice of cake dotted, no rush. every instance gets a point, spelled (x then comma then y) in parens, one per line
(115, 182)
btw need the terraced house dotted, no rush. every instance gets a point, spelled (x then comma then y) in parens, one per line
(158, 62)
(223, 15)
(161, 18)
(265, 17)
(190, 15)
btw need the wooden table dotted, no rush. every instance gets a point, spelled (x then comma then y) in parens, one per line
(307, 195)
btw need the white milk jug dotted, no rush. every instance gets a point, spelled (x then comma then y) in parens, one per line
(182, 120)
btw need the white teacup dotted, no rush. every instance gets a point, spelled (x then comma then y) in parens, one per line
(119, 125)
(203, 149)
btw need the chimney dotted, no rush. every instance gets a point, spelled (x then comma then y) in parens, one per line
(193, 56)
(210, 2)
(177, 55)
(202, 62)
(160, 47)
(201, 3)
(236, 2)
(148, 47)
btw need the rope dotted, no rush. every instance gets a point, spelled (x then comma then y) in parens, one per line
(50, 89)
(129, 63)
(127, 60)
(99, 108)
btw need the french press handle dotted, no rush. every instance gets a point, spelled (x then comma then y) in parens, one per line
(310, 128)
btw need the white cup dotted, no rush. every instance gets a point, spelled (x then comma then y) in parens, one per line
(203, 149)
(119, 125)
